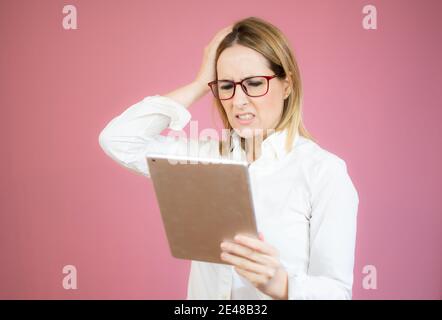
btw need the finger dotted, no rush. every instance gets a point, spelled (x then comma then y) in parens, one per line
(229, 28)
(261, 236)
(254, 278)
(224, 32)
(256, 244)
(248, 253)
(246, 264)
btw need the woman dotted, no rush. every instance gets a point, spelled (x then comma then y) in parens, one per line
(305, 202)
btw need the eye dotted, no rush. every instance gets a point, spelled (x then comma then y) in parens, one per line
(255, 83)
(226, 86)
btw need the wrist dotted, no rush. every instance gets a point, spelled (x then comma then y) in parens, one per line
(283, 294)
(201, 86)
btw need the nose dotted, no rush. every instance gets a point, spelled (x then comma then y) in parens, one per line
(240, 98)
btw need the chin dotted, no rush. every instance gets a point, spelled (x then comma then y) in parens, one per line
(247, 132)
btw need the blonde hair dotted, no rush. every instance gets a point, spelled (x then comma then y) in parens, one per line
(268, 40)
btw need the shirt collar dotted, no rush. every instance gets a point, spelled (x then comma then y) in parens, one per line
(273, 145)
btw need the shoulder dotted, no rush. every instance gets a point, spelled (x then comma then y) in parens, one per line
(315, 159)
(327, 172)
(323, 169)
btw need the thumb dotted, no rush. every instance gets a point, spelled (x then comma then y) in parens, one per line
(261, 236)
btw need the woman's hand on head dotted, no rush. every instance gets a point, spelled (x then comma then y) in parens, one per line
(258, 262)
(207, 69)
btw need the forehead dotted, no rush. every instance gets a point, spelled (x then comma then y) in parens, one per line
(238, 62)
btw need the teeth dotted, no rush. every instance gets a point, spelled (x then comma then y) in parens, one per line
(246, 116)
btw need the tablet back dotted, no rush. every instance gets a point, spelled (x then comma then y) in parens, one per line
(202, 203)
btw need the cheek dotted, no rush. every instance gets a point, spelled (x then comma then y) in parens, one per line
(227, 109)
(269, 111)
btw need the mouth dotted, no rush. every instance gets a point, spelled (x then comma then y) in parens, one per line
(245, 118)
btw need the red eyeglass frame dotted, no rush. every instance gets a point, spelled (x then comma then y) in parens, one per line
(240, 83)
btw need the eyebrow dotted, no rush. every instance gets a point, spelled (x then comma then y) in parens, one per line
(239, 79)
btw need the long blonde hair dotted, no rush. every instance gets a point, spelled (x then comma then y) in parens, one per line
(265, 38)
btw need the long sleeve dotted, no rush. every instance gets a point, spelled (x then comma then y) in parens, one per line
(332, 236)
(136, 132)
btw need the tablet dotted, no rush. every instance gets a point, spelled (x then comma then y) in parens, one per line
(203, 201)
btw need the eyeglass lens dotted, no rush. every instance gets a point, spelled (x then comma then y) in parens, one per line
(256, 86)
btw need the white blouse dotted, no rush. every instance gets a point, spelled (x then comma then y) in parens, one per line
(305, 202)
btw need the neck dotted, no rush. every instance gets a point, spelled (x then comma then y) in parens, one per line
(253, 147)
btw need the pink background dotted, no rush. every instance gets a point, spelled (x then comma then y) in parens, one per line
(373, 97)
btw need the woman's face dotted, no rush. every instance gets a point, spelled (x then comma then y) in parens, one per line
(239, 62)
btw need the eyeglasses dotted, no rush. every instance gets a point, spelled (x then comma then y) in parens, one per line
(255, 86)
